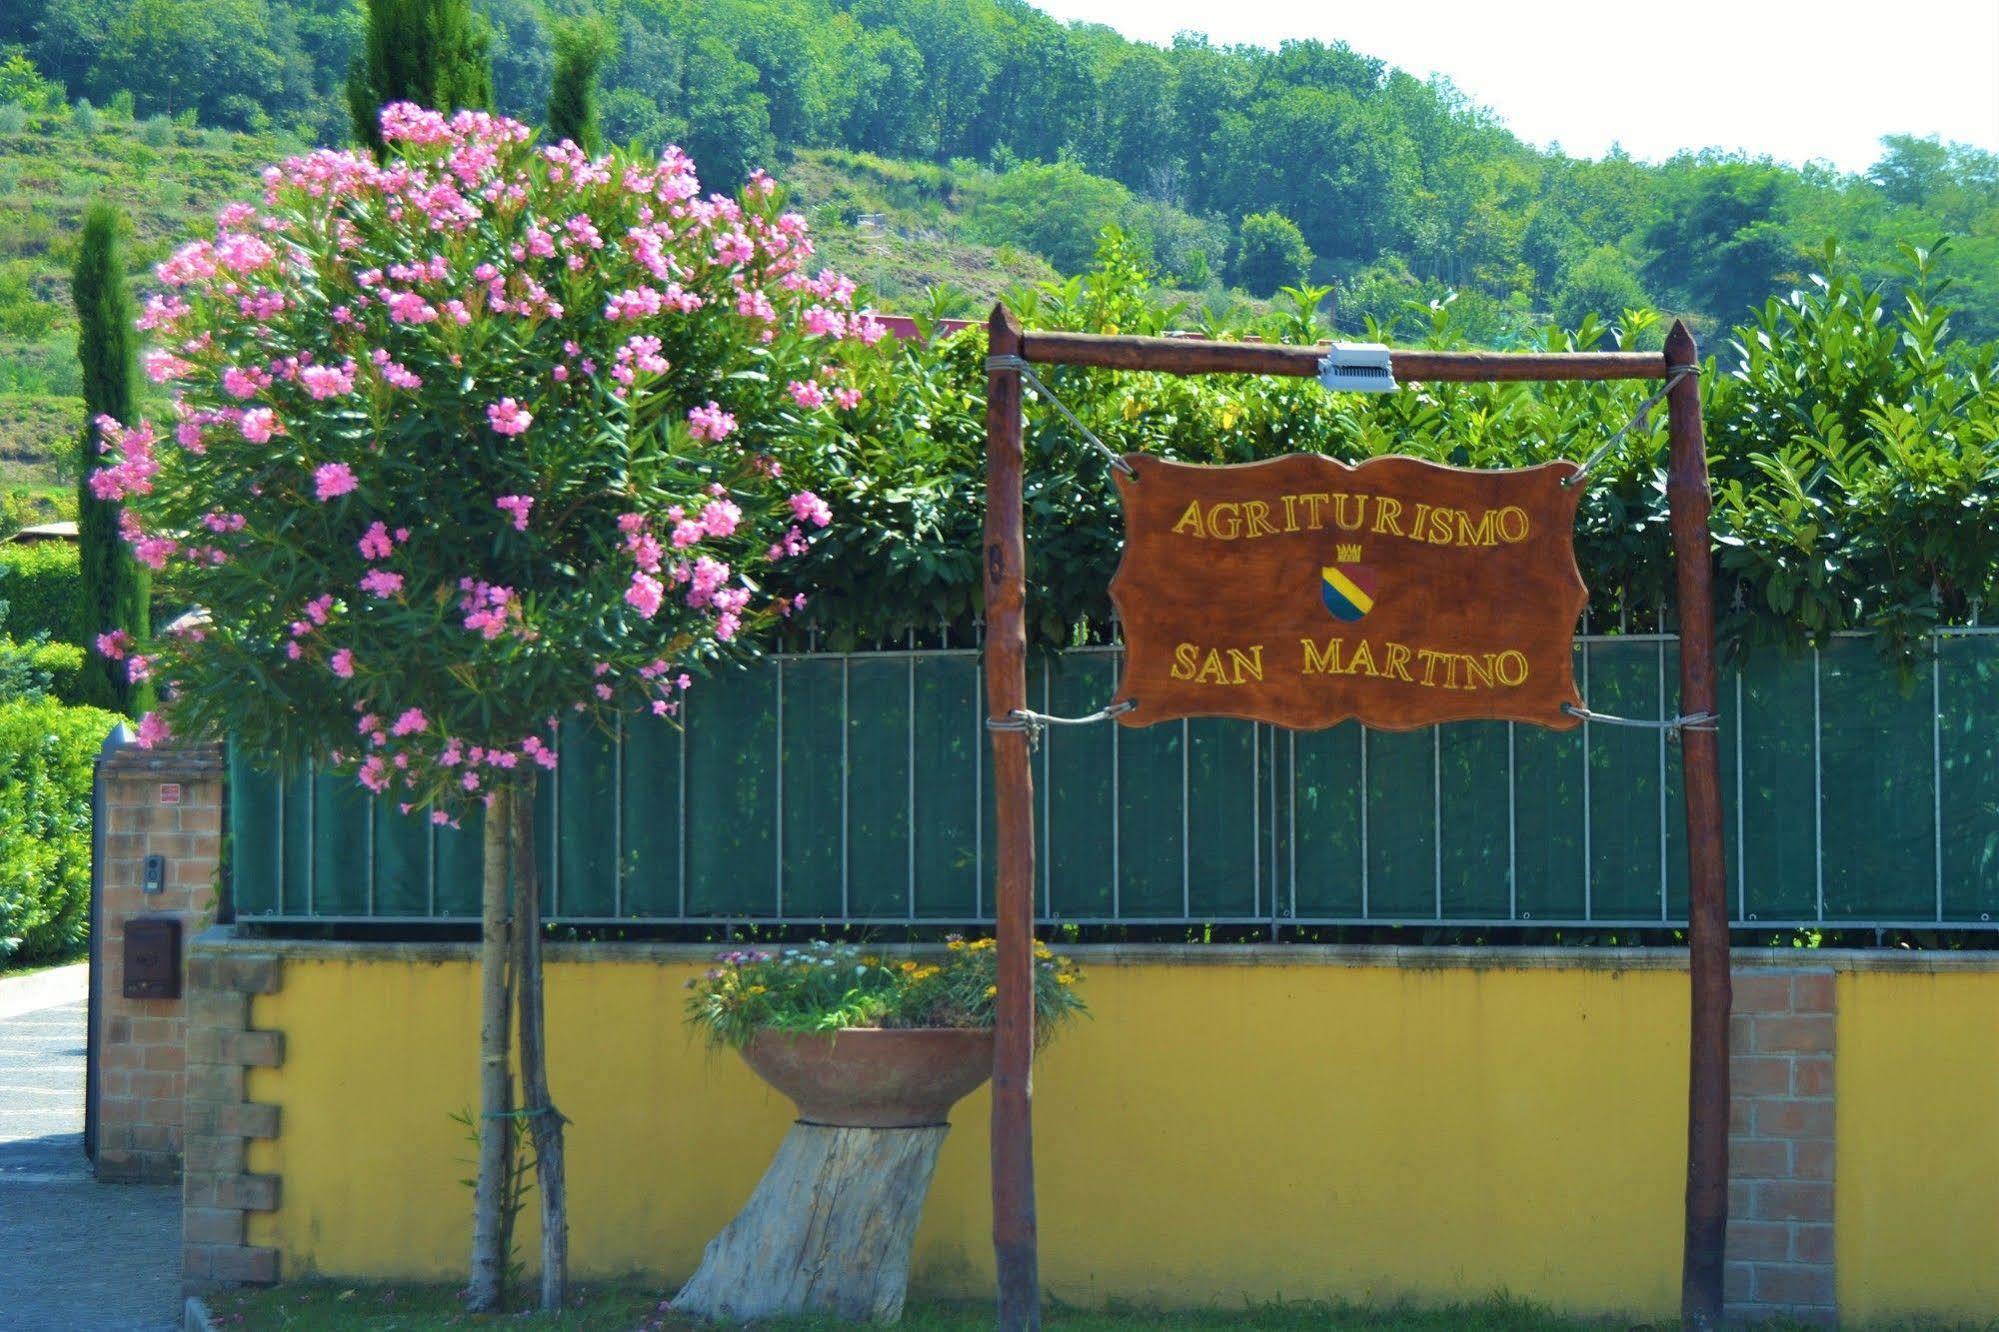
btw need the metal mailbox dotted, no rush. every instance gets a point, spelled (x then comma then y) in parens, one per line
(152, 957)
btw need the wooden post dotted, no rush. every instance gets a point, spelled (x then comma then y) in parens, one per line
(1707, 905)
(1013, 790)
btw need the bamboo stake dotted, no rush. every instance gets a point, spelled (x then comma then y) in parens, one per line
(1707, 905)
(1006, 689)
(544, 1121)
(485, 1290)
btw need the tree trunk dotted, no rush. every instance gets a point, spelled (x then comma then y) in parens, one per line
(828, 1230)
(486, 1289)
(544, 1121)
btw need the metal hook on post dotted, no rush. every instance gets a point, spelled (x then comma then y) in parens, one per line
(1042, 390)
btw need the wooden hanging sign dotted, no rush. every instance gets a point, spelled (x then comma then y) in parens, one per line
(1303, 591)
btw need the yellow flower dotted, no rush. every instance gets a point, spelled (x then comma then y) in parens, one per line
(871, 961)
(991, 990)
(1065, 979)
(956, 945)
(907, 966)
(1230, 414)
(983, 946)
(756, 989)
(1041, 950)
(1132, 407)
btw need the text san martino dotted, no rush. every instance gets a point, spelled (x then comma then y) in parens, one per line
(1360, 514)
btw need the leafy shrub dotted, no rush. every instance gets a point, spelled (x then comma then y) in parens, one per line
(156, 132)
(46, 755)
(1270, 253)
(44, 587)
(48, 670)
(22, 85)
(13, 118)
(1852, 450)
(824, 986)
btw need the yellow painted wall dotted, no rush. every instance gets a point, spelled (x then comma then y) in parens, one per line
(1215, 1133)
(1917, 1162)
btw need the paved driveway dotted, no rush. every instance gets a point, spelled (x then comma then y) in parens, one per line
(75, 1255)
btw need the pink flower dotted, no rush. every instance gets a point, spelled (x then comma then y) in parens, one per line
(485, 606)
(807, 394)
(518, 506)
(375, 544)
(645, 594)
(409, 723)
(809, 508)
(507, 417)
(325, 381)
(710, 422)
(343, 663)
(847, 398)
(719, 518)
(153, 729)
(162, 366)
(112, 645)
(258, 424)
(243, 254)
(332, 480)
(381, 583)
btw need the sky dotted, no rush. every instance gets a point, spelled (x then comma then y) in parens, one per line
(1790, 79)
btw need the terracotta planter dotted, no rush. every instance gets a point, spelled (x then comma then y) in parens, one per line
(873, 1077)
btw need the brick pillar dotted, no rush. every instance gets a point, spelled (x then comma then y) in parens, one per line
(165, 803)
(1780, 1145)
(219, 1190)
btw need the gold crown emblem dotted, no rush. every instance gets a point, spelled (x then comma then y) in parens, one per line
(1349, 554)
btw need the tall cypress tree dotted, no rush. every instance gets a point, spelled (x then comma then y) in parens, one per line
(580, 48)
(431, 52)
(114, 586)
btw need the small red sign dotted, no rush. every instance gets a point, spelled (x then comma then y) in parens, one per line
(169, 793)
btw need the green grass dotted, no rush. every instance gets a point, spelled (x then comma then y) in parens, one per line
(332, 1307)
(321, 1307)
(49, 173)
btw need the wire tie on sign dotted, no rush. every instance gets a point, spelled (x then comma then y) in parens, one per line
(1673, 376)
(1698, 721)
(1035, 723)
(1034, 382)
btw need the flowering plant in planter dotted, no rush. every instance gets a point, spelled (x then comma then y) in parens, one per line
(829, 987)
(466, 442)
(874, 1051)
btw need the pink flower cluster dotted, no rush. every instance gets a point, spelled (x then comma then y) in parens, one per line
(507, 417)
(302, 430)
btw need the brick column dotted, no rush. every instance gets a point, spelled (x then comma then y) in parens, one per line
(1780, 1146)
(165, 803)
(219, 1190)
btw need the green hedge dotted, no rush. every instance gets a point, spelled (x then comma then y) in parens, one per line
(46, 753)
(60, 663)
(1853, 444)
(43, 585)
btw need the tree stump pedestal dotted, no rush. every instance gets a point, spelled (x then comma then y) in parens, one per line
(828, 1230)
(830, 1226)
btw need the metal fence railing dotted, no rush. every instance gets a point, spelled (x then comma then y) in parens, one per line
(826, 788)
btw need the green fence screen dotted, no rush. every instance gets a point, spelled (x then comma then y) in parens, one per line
(830, 788)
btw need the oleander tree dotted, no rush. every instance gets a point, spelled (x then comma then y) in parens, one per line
(479, 440)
